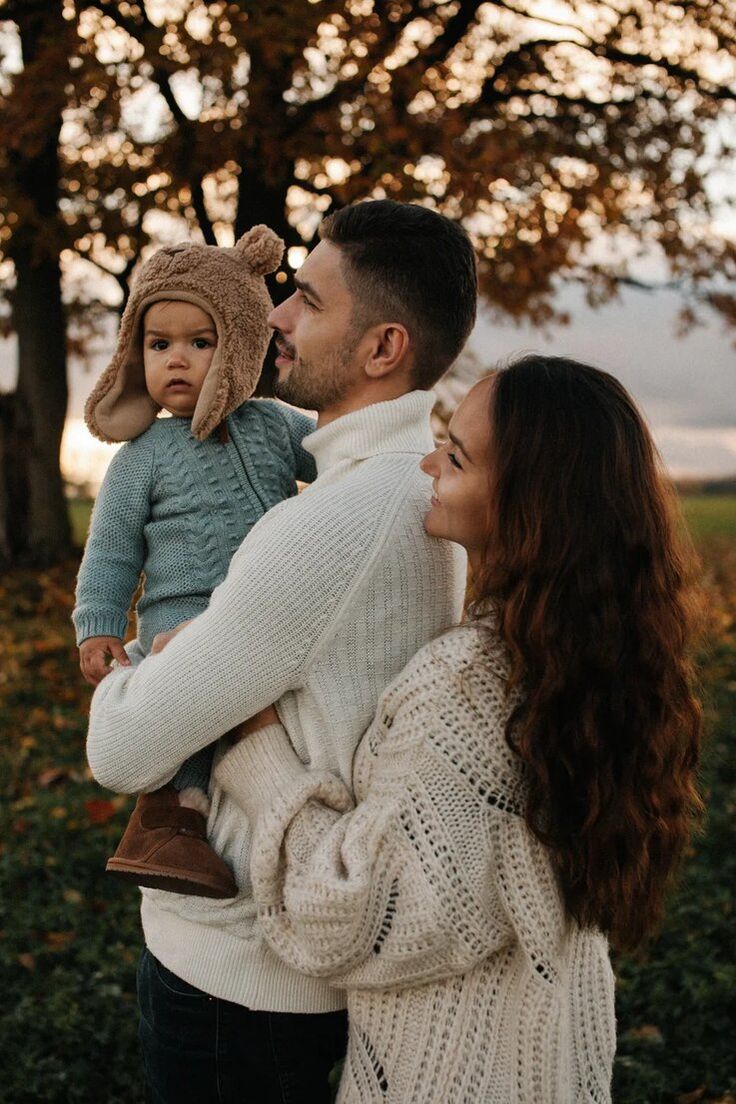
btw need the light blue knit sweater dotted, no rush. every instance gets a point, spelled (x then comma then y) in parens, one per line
(176, 509)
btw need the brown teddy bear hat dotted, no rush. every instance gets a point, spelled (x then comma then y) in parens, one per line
(227, 283)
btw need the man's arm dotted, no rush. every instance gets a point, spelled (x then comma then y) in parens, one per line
(286, 584)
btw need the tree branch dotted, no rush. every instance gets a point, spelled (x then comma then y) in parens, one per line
(456, 28)
(349, 88)
(680, 72)
(145, 32)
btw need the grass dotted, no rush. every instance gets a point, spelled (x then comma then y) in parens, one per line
(69, 937)
(79, 514)
(711, 516)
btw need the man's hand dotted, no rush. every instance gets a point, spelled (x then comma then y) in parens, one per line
(266, 717)
(93, 653)
(160, 640)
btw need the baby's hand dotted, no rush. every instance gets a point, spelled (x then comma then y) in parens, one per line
(93, 653)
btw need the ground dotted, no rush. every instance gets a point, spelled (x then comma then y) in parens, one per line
(69, 935)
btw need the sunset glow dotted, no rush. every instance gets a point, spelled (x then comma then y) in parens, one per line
(84, 459)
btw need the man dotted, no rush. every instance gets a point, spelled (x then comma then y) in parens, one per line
(325, 601)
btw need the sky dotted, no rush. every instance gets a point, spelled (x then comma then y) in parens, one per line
(686, 386)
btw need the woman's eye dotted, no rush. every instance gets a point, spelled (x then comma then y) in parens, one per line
(454, 460)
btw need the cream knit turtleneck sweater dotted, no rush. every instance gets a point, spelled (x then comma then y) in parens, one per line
(327, 598)
(430, 901)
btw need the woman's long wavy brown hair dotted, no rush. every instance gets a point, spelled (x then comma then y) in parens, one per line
(588, 567)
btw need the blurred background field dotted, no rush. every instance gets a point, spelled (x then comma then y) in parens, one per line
(69, 936)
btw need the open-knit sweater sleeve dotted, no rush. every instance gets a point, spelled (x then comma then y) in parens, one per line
(434, 870)
(115, 549)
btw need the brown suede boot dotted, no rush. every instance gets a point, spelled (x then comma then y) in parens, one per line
(165, 847)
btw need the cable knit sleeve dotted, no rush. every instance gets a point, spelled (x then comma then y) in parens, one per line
(115, 549)
(298, 426)
(431, 872)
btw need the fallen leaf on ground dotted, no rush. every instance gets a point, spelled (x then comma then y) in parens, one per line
(648, 1033)
(56, 940)
(692, 1097)
(51, 776)
(100, 810)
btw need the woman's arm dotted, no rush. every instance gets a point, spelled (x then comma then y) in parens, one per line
(401, 889)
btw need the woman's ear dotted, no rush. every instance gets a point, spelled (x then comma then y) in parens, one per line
(391, 348)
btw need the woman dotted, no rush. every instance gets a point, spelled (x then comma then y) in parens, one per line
(527, 786)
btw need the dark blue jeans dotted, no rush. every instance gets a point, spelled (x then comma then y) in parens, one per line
(197, 1048)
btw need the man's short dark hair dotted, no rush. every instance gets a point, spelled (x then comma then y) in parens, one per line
(406, 263)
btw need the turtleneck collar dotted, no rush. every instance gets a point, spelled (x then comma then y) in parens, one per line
(399, 425)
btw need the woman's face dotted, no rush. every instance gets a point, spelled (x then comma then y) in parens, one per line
(461, 476)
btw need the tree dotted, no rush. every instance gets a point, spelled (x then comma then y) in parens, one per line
(31, 123)
(59, 84)
(543, 134)
(568, 143)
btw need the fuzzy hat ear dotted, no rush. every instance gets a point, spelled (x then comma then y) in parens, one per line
(262, 248)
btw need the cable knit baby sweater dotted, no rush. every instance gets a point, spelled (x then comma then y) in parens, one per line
(430, 902)
(326, 600)
(176, 509)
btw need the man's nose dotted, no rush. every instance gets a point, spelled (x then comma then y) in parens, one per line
(280, 316)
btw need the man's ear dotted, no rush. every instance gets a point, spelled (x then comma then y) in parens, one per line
(390, 348)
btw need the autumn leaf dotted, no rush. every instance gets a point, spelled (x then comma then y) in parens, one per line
(27, 961)
(648, 1033)
(692, 1097)
(58, 940)
(100, 810)
(51, 776)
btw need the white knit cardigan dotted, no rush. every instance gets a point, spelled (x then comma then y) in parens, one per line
(429, 901)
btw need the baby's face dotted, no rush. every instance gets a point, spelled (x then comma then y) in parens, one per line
(179, 341)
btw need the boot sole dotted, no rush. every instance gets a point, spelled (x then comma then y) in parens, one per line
(161, 878)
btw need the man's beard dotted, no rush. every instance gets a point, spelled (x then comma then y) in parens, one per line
(314, 388)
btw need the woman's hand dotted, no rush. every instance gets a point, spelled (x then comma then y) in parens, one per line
(263, 719)
(160, 640)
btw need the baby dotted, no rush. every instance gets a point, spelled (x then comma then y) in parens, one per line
(179, 497)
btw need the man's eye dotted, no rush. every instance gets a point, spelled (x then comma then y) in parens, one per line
(454, 460)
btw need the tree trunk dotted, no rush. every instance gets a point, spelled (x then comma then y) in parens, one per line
(42, 399)
(262, 202)
(38, 310)
(13, 481)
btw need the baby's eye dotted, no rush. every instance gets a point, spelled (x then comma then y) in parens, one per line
(159, 343)
(454, 460)
(202, 343)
